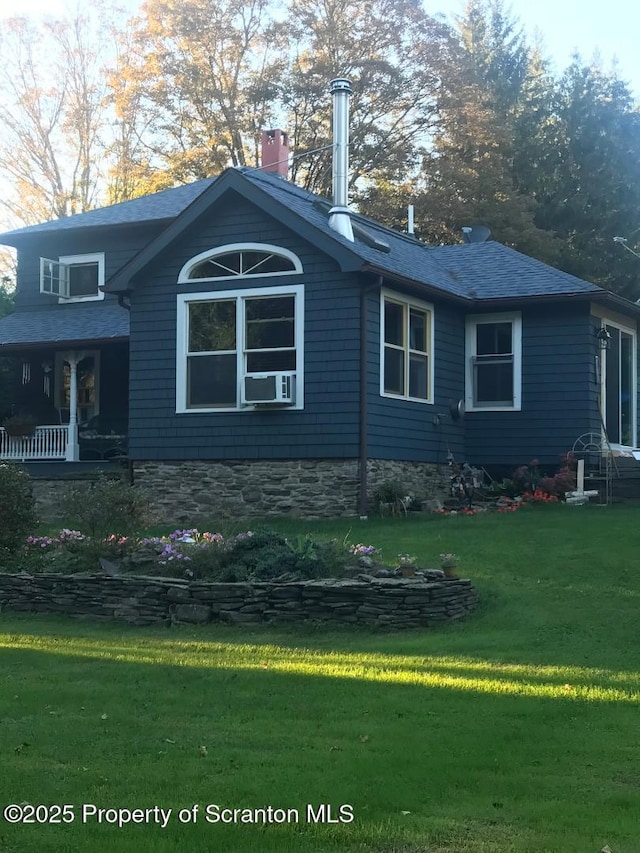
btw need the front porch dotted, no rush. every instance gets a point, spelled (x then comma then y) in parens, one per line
(68, 405)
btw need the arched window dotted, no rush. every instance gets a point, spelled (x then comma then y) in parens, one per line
(240, 260)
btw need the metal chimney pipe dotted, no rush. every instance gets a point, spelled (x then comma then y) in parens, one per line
(339, 218)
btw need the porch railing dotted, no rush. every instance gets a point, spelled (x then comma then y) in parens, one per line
(48, 442)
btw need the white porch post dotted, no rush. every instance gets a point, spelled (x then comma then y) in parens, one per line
(73, 449)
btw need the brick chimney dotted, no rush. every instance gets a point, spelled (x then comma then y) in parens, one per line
(275, 152)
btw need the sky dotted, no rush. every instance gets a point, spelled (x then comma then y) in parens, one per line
(611, 27)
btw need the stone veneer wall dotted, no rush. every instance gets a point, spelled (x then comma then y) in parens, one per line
(199, 490)
(378, 602)
(48, 492)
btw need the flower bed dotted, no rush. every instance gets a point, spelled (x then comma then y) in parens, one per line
(254, 576)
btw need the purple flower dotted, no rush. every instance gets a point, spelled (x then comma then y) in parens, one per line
(363, 550)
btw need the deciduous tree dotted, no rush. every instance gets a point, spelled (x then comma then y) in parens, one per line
(194, 87)
(52, 115)
(395, 56)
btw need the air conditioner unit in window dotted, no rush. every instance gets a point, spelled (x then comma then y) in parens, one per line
(268, 389)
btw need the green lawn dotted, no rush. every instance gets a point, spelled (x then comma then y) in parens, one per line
(514, 731)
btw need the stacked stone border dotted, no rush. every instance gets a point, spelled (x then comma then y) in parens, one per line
(374, 602)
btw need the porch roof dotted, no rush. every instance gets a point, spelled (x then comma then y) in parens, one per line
(64, 324)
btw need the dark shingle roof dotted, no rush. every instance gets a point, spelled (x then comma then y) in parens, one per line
(65, 324)
(406, 257)
(493, 271)
(481, 271)
(164, 205)
(471, 270)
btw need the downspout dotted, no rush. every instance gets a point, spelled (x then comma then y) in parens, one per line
(363, 455)
(122, 302)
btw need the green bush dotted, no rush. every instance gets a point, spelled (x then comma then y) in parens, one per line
(106, 506)
(17, 507)
(388, 496)
(266, 555)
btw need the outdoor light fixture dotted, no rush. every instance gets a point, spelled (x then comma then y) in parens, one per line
(604, 338)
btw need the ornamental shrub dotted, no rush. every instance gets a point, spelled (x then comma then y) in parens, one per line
(17, 507)
(106, 506)
(265, 555)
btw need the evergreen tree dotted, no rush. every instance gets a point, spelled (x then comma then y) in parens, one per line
(468, 175)
(590, 192)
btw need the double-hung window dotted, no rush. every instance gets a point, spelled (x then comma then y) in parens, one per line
(494, 362)
(225, 337)
(406, 348)
(73, 278)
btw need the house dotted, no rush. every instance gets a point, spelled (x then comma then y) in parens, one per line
(273, 353)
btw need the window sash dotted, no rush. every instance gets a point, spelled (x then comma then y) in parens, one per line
(406, 370)
(53, 278)
(220, 388)
(81, 275)
(240, 260)
(489, 373)
(494, 362)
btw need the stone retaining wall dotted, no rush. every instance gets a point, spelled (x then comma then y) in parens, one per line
(377, 602)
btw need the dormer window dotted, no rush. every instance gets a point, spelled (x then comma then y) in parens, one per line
(73, 278)
(240, 260)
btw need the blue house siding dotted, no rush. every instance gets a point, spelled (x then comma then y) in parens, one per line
(328, 427)
(406, 430)
(559, 393)
(114, 377)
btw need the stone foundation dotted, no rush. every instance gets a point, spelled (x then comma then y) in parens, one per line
(425, 481)
(374, 602)
(194, 491)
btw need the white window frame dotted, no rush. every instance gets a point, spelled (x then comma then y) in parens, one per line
(66, 261)
(472, 323)
(408, 302)
(240, 295)
(183, 276)
(632, 332)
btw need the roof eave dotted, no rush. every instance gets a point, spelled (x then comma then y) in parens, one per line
(428, 289)
(85, 342)
(602, 296)
(19, 240)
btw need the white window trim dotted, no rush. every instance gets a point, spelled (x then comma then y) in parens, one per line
(472, 321)
(423, 306)
(183, 276)
(72, 260)
(183, 301)
(632, 332)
